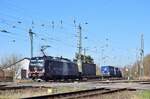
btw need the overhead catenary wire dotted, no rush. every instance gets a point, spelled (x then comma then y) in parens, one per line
(20, 9)
(60, 23)
(43, 25)
(46, 37)
(16, 8)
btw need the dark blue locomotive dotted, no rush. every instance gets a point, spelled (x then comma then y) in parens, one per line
(36, 67)
(51, 68)
(111, 71)
(60, 68)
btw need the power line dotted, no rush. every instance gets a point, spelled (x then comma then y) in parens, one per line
(10, 35)
(32, 24)
(60, 41)
(15, 7)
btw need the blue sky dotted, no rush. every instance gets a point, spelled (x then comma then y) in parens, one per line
(115, 23)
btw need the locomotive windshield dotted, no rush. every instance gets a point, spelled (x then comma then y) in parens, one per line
(37, 62)
(36, 67)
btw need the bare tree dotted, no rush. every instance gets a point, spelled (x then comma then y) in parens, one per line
(147, 65)
(135, 67)
(7, 61)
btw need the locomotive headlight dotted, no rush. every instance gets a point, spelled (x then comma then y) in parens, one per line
(35, 69)
(43, 70)
(41, 73)
(29, 74)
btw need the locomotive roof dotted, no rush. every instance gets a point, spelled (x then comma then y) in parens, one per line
(61, 59)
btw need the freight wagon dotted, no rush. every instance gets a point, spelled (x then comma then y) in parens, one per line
(88, 70)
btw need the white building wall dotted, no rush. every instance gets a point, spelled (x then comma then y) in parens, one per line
(23, 65)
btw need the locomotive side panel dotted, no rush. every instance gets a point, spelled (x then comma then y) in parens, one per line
(73, 69)
(60, 70)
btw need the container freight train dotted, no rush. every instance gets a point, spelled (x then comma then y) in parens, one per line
(50, 68)
(111, 72)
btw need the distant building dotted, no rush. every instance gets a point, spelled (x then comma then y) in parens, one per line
(23, 71)
(20, 68)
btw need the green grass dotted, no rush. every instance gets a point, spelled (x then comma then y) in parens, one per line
(144, 95)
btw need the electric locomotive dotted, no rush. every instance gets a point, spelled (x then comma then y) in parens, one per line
(52, 68)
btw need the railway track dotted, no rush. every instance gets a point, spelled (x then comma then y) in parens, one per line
(81, 94)
(20, 87)
(117, 81)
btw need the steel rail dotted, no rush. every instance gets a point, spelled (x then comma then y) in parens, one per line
(80, 94)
